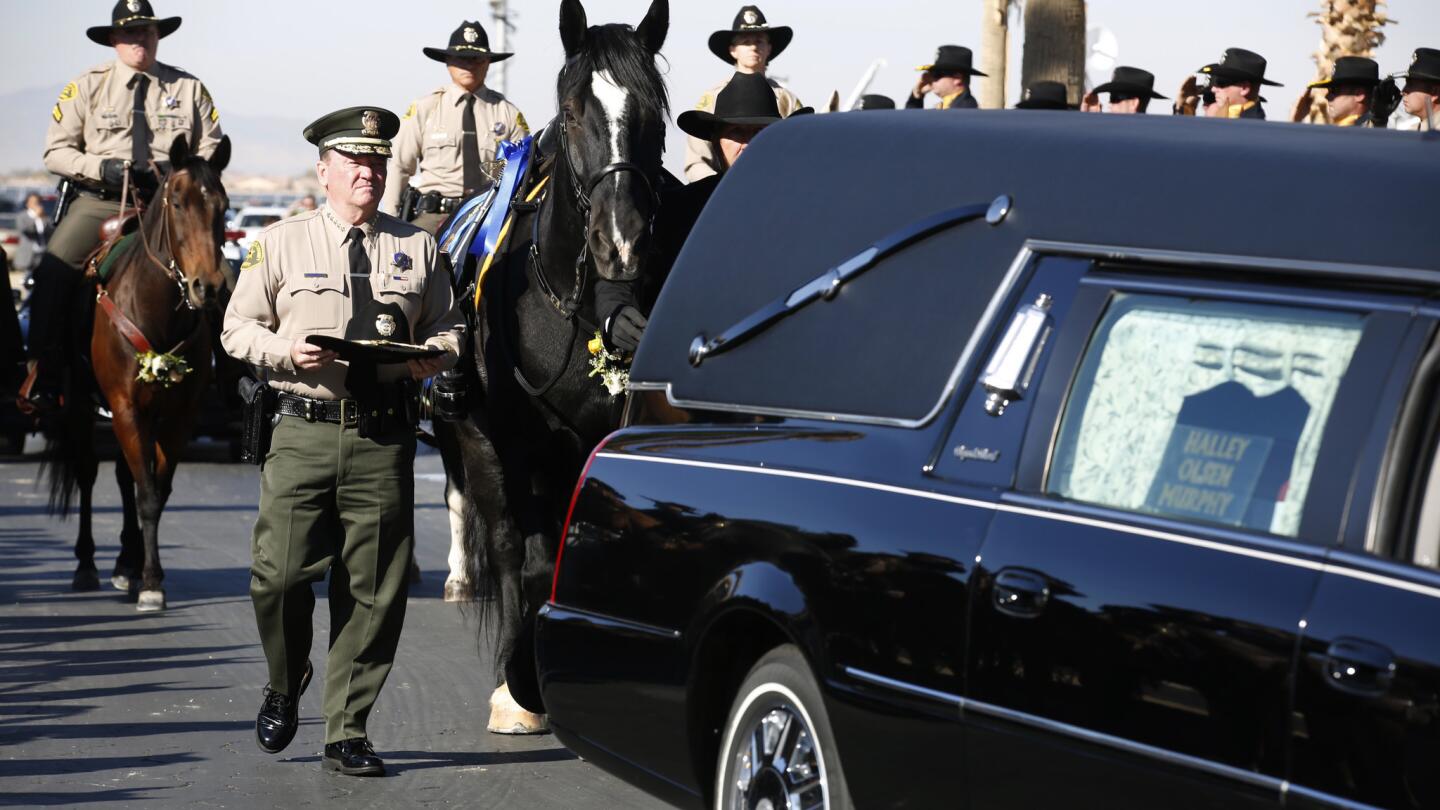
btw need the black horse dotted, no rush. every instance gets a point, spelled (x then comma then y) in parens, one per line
(538, 413)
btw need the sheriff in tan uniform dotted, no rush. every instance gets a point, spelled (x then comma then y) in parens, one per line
(337, 492)
(436, 138)
(750, 44)
(129, 109)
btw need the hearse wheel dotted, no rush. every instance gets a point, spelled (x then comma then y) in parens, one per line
(778, 752)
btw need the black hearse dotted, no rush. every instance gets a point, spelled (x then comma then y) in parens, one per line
(1025, 459)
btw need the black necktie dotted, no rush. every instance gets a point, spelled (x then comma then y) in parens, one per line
(360, 293)
(361, 379)
(470, 149)
(140, 126)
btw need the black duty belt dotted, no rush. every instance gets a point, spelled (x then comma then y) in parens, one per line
(100, 193)
(432, 203)
(343, 412)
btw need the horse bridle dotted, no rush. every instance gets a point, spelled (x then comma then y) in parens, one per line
(171, 268)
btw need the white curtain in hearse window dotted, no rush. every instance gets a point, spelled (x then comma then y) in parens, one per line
(1209, 411)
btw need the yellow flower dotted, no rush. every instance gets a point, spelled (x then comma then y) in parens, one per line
(596, 345)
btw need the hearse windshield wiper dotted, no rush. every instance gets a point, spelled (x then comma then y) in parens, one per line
(827, 284)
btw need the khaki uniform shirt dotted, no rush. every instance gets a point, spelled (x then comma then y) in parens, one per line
(91, 121)
(699, 162)
(296, 281)
(431, 138)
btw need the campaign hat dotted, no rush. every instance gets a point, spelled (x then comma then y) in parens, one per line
(1045, 95)
(131, 14)
(747, 100)
(355, 131)
(1424, 64)
(875, 101)
(1351, 70)
(1131, 82)
(750, 20)
(1239, 64)
(468, 41)
(953, 59)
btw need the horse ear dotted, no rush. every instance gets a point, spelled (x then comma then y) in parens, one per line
(572, 27)
(656, 24)
(221, 158)
(179, 152)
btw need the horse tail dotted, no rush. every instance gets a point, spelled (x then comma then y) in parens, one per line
(59, 463)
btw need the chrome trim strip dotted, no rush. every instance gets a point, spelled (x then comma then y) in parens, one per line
(982, 328)
(561, 612)
(1165, 755)
(1189, 259)
(1293, 789)
(1045, 514)
(901, 686)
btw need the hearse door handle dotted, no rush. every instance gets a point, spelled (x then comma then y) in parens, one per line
(1020, 593)
(1358, 667)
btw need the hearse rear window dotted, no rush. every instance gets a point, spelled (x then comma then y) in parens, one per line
(1207, 411)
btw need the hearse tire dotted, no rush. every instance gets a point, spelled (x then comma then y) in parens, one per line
(778, 707)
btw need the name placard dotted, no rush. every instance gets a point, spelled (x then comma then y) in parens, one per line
(1208, 474)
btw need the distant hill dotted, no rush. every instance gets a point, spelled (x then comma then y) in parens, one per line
(269, 145)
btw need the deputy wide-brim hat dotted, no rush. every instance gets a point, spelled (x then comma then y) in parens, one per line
(1130, 81)
(469, 41)
(750, 20)
(132, 14)
(747, 101)
(378, 333)
(1239, 64)
(875, 101)
(1351, 70)
(355, 131)
(1424, 64)
(953, 59)
(1045, 96)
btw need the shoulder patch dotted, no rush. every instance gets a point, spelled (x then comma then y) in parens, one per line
(520, 123)
(214, 114)
(254, 256)
(56, 114)
(205, 93)
(68, 93)
(409, 113)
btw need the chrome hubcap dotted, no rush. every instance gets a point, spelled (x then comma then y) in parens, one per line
(777, 765)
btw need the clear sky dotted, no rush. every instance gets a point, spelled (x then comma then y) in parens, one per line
(273, 65)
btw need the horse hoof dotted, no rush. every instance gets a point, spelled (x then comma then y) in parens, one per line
(508, 717)
(86, 579)
(458, 591)
(150, 601)
(120, 582)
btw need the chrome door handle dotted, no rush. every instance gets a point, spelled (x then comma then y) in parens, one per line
(1358, 667)
(1020, 593)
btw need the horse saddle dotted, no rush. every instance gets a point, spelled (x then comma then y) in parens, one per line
(113, 232)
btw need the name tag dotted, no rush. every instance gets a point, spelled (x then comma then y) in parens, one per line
(400, 278)
(316, 275)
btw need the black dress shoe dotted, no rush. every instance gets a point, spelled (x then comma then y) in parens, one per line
(279, 716)
(353, 757)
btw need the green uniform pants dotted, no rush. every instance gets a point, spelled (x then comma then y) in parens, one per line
(79, 232)
(332, 501)
(430, 223)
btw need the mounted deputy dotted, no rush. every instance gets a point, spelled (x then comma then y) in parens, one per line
(750, 44)
(450, 136)
(112, 120)
(1350, 94)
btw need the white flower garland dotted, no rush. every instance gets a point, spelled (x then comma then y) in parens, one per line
(165, 369)
(608, 366)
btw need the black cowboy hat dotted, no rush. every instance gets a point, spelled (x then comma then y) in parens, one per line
(355, 131)
(1045, 96)
(378, 333)
(750, 20)
(469, 41)
(748, 100)
(1351, 70)
(131, 14)
(953, 59)
(873, 101)
(1130, 82)
(1240, 65)
(1424, 64)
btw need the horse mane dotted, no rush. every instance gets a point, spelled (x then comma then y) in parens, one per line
(615, 50)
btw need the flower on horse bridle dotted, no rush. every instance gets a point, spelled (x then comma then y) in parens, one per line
(165, 369)
(610, 367)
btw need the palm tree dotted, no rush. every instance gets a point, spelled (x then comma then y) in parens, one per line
(1055, 44)
(994, 53)
(1347, 28)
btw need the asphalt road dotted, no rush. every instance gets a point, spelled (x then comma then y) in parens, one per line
(102, 706)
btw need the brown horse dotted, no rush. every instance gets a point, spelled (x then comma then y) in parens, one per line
(159, 298)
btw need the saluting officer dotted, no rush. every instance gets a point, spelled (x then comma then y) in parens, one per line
(750, 44)
(1130, 89)
(1422, 89)
(451, 135)
(1349, 93)
(337, 486)
(948, 77)
(125, 111)
(1235, 82)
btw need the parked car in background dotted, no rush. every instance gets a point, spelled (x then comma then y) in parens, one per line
(10, 232)
(1061, 477)
(253, 219)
